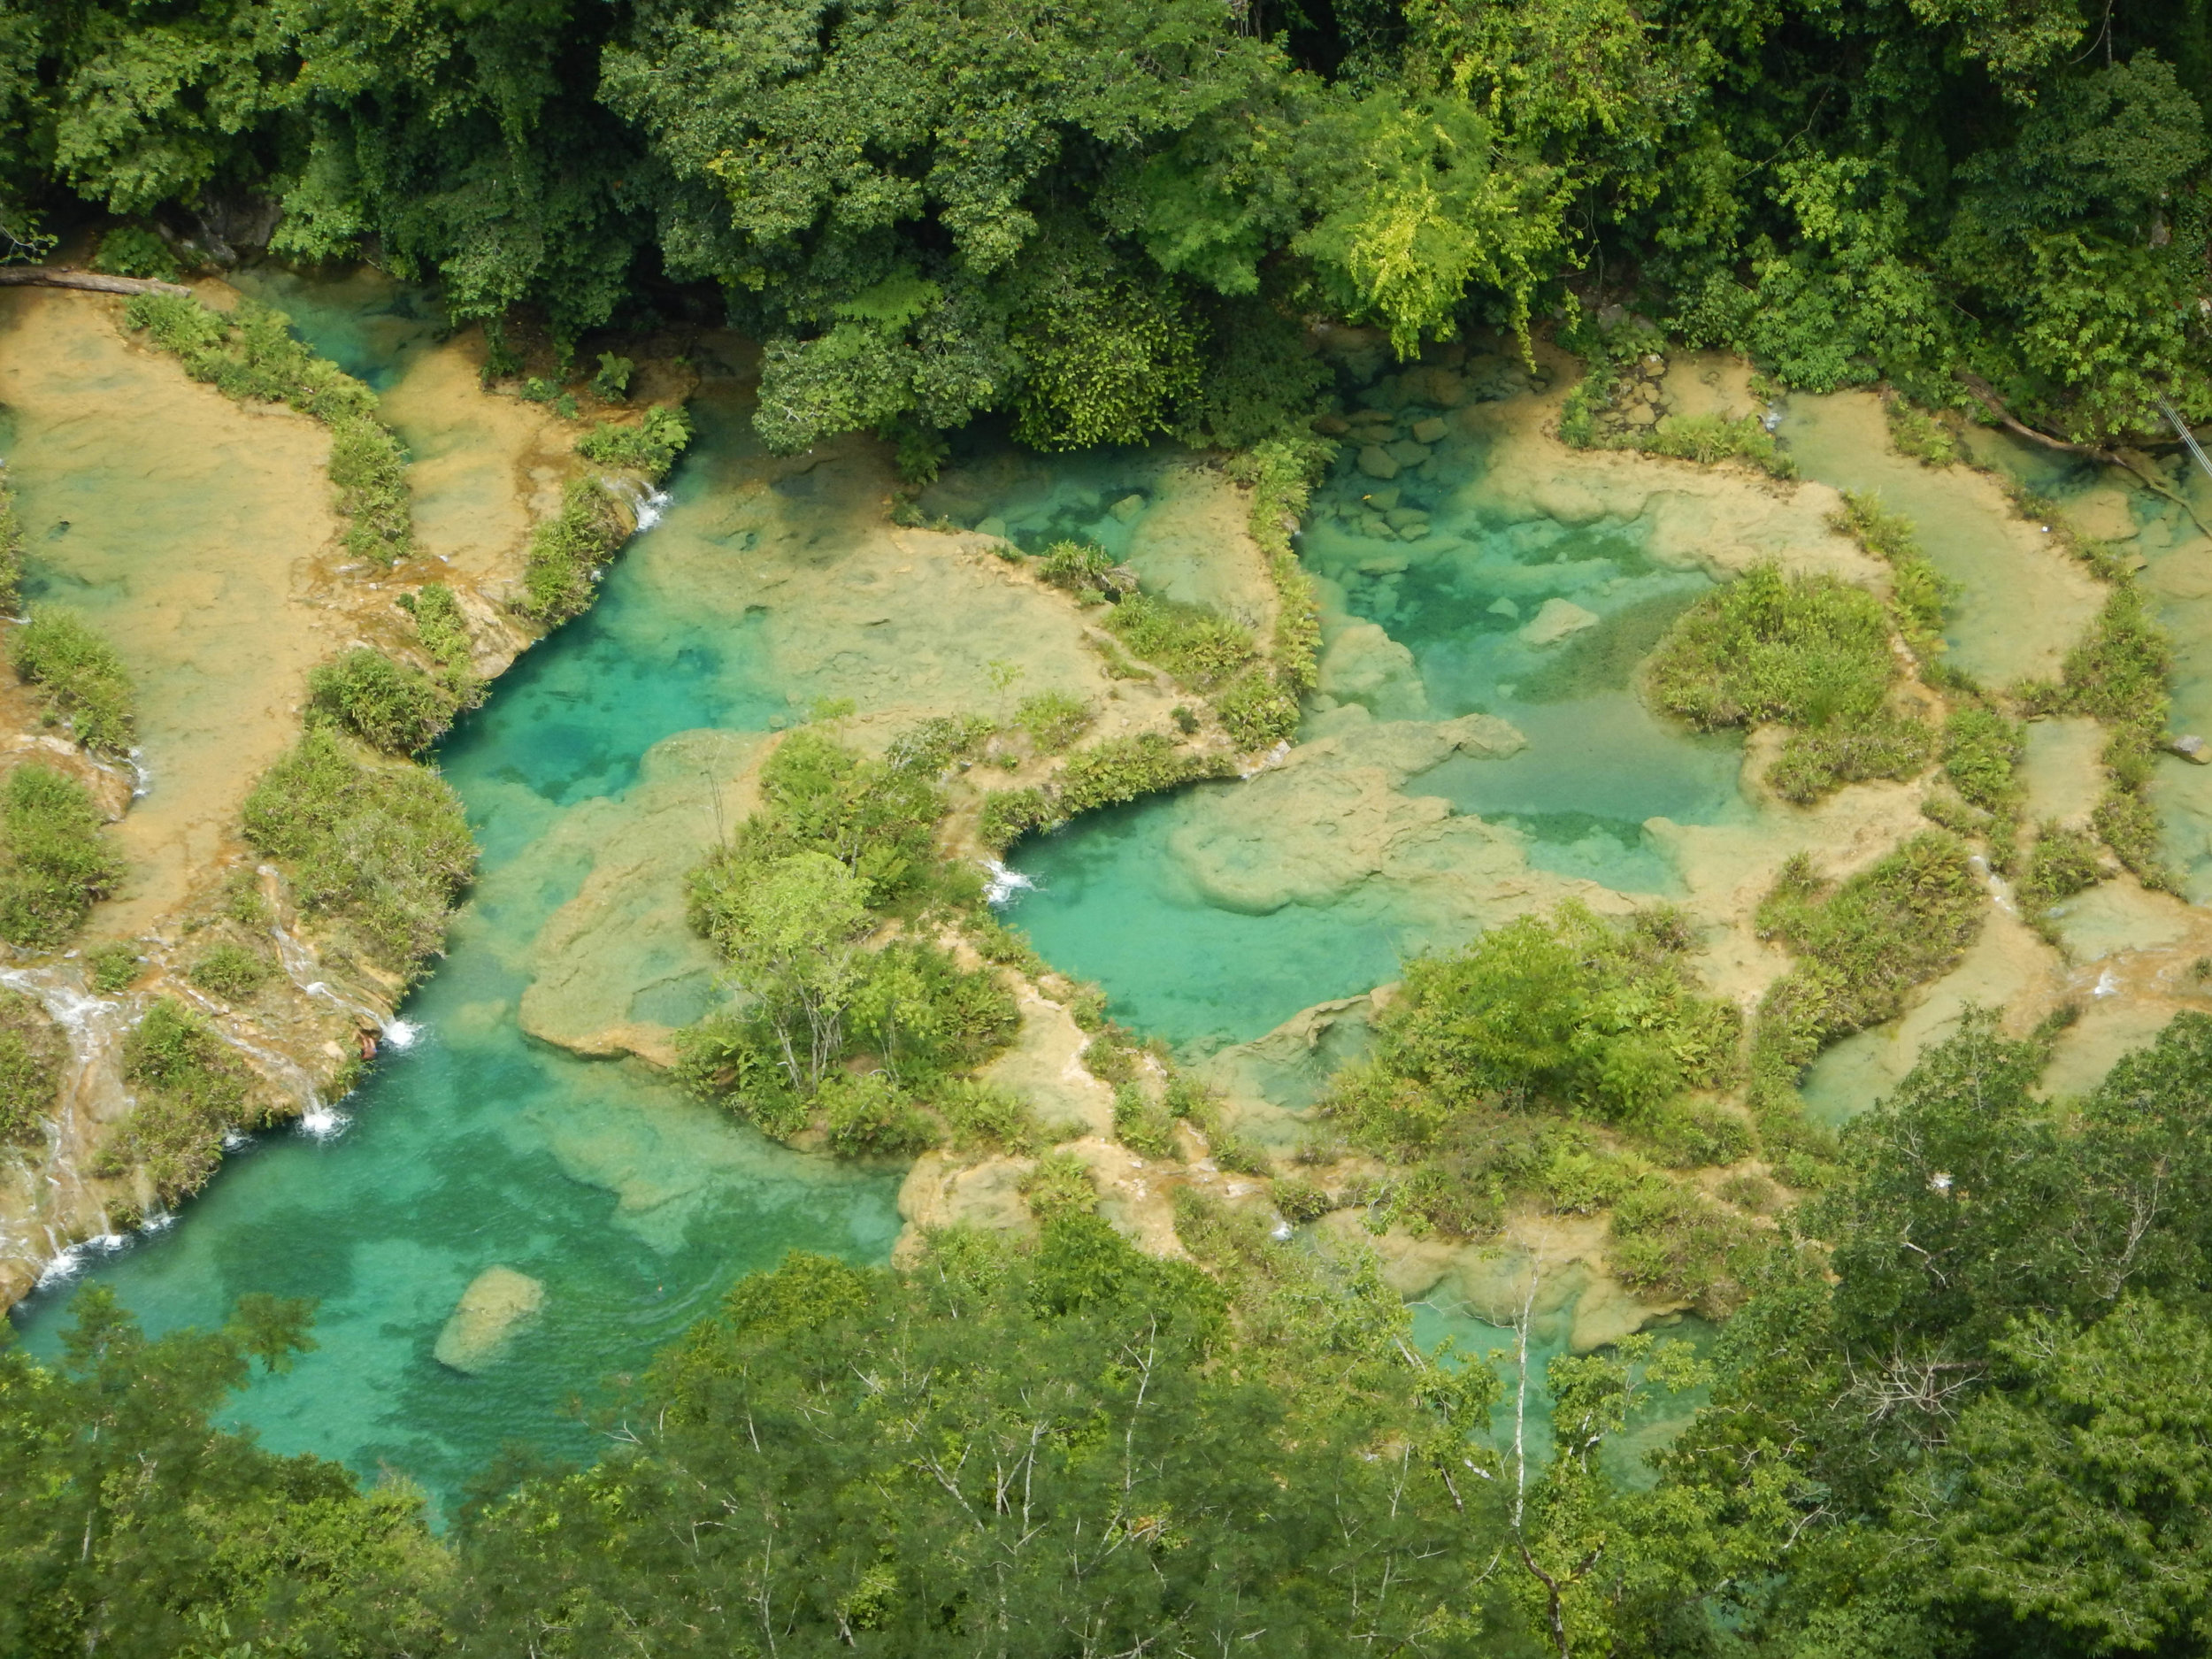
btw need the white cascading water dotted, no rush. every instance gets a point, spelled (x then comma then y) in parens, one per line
(1001, 884)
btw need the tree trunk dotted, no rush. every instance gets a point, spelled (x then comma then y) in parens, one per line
(66, 277)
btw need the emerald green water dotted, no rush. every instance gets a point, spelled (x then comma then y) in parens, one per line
(1111, 903)
(477, 1146)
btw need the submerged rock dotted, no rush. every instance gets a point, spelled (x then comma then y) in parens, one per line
(1376, 462)
(1555, 619)
(498, 1300)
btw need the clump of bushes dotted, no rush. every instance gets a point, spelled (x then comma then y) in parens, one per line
(983, 1115)
(1199, 646)
(250, 355)
(392, 705)
(1060, 1185)
(1106, 774)
(1081, 567)
(1281, 473)
(190, 1089)
(2118, 675)
(445, 634)
(1917, 433)
(868, 1115)
(110, 967)
(1670, 1241)
(380, 847)
(560, 572)
(1256, 710)
(1709, 440)
(650, 446)
(11, 547)
(1982, 752)
(1567, 1010)
(132, 250)
(31, 1054)
(55, 857)
(1054, 719)
(1919, 588)
(81, 676)
(231, 971)
(612, 383)
(2062, 862)
(1811, 652)
(1860, 946)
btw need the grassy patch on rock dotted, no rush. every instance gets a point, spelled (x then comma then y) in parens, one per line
(190, 1089)
(80, 676)
(249, 354)
(55, 857)
(378, 849)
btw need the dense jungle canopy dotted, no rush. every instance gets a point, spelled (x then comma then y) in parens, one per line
(1107, 220)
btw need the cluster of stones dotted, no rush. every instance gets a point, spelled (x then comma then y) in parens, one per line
(1396, 429)
(1638, 403)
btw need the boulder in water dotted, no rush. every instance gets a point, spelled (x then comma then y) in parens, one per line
(1555, 619)
(497, 1302)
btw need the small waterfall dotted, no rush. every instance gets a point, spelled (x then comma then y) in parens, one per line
(1001, 884)
(647, 505)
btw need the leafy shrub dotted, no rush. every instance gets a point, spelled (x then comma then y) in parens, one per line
(1689, 1137)
(2062, 862)
(1860, 947)
(925, 1015)
(1054, 719)
(1982, 751)
(612, 383)
(1254, 712)
(561, 569)
(31, 1054)
(726, 1059)
(1672, 1240)
(445, 634)
(1009, 814)
(10, 548)
(1709, 440)
(1060, 1185)
(231, 971)
(1109, 1060)
(1282, 472)
(190, 1089)
(1767, 647)
(1077, 566)
(1920, 589)
(382, 847)
(392, 705)
(1140, 1123)
(867, 1117)
(984, 1115)
(1301, 1202)
(1124, 768)
(112, 967)
(932, 747)
(81, 676)
(55, 859)
(1850, 749)
(1199, 646)
(132, 250)
(250, 355)
(1916, 433)
(650, 446)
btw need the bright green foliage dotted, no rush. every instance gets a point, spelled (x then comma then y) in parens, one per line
(1079, 566)
(2119, 675)
(81, 676)
(1009, 814)
(1804, 650)
(1106, 364)
(445, 634)
(1982, 751)
(1916, 433)
(129, 250)
(1256, 710)
(923, 1016)
(55, 857)
(1860, 946)
(112, 967)
(1141, 1124)
(867, 1115)
(1919, 588)
(190, 1091)
(560, 572)
(1124, 768)
(650, 446)
(1571, 1012)
(393, 706)
(249, 354)
(139, 1529)
(1054, 719)
(985, 1117)
(790, 930)
(31, 1053)
(1199, 646)
(2062, 862)
(1005, 1449)
(877, 818)
(611, 382)
(380, 847)
(11, 547)
(1812, 652)
(231, 971)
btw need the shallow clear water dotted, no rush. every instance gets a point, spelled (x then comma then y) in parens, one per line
(1462, 600)
(479, 1146)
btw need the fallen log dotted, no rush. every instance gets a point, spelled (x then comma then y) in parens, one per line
(62, 276)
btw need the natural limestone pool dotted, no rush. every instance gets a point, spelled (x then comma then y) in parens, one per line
(1476, 749)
